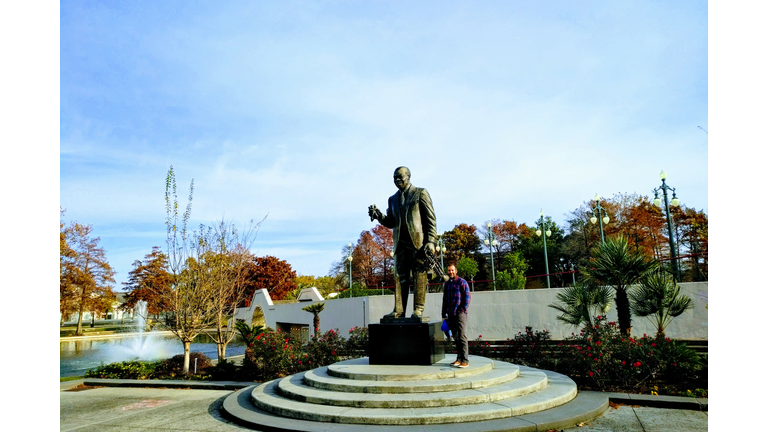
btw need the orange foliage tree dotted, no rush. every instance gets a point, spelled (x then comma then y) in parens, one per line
(461, 241)
(268, 272)
(149, 281)
(86, 277)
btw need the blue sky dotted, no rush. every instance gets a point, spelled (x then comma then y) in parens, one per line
(302, 110)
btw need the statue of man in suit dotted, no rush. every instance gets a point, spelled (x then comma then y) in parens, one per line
(411, 216)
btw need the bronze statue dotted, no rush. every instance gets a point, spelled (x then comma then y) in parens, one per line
(411, 216)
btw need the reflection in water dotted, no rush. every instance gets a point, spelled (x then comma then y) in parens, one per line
(76, 357)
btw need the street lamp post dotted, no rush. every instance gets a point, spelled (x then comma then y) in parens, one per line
(349, 259)
(441, 248)
(600, 210)
(546, 234)
(573, 274)
(675, 202)
(490, 241)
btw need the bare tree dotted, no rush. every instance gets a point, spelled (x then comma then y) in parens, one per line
(190, 298)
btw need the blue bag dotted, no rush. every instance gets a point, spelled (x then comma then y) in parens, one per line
(444, 327)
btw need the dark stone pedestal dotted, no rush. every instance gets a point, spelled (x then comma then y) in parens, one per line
(405, 343)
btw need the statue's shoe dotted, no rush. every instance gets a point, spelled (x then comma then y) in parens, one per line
(394, 314)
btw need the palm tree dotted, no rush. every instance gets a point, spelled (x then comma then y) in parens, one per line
(658, 296)
(315, 310)
(249, 335)
(581, 302)
(615, 265)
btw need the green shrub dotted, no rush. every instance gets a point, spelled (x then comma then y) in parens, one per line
(530, 348)
(223, 371)
(363, 292)
(174, 365)
(133, 369)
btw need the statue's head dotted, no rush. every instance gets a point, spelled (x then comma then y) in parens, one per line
(402, 177)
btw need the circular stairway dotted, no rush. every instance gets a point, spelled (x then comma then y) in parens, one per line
(352, 395)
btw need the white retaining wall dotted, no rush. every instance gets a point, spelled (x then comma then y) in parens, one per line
(494, 315)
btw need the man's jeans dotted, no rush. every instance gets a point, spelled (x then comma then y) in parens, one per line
(458, 326)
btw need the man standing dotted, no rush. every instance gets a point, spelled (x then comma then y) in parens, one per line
(411, 216)
(455, 306)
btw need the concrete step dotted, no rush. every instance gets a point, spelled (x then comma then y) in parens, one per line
(554, 407)
(267, 398)
(501, 373)
(296, 388)
(359, 369)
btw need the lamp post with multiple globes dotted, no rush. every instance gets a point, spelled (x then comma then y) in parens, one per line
(600, 210)
(546, 234)
(674, 203)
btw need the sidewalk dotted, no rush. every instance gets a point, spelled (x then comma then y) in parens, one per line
(196, 407)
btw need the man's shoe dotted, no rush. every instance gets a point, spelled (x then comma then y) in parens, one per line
(394, 314)
(463, 365)
(417, 313)
(456, 363)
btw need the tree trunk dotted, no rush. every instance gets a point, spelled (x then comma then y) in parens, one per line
(221, 350)
(79, 331)
(622, 309)
(185, 369)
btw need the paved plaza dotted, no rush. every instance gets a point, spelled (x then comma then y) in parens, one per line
(134, 409)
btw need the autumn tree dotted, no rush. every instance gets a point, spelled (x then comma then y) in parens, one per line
(149, 281)
(691, 233)
(67, 304)
(462, 241)
(269, 272)
(86, 277)
(324, 284)
(372, 262)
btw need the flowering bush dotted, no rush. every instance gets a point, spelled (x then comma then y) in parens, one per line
(325, 349)
(274, 354)
(602, 356)
(357, 342)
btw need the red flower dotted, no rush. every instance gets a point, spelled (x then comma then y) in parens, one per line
(598, 342)
(653, 344)
(637, 364)
(623, 362)
(590, 373)
(480, 336)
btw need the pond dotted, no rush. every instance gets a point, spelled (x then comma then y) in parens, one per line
(78, 356)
